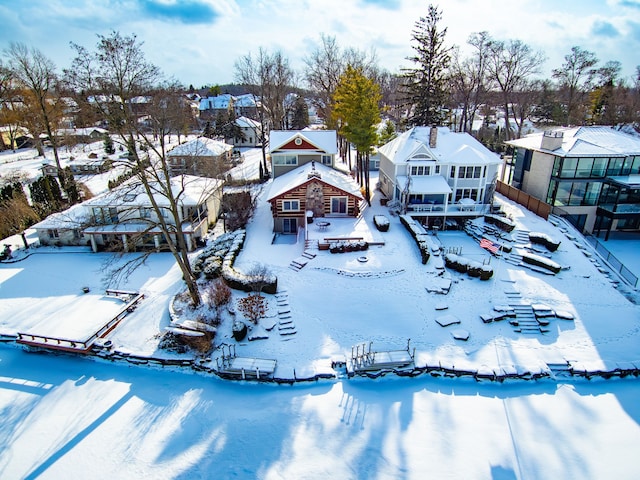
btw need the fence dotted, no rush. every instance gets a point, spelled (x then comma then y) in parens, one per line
(533, 204)
(612, 260)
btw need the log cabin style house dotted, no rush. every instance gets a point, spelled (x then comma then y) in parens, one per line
(311, 191)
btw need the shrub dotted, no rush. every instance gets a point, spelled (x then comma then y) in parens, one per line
(542, 262)
(502, 223)
(381, 222)
(544, 240)
(470, 267)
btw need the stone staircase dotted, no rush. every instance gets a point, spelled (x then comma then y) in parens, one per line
(286, 327)
(520, 236)
(310, 247)
(525, 321)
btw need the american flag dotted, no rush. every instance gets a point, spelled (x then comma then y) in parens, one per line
(489, 245)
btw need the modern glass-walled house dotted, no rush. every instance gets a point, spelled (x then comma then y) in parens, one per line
(589, 174)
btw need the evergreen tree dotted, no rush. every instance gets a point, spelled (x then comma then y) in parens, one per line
(427, 84)
(109, 149)
(70, 186)
(387, 134)
(300, 118)
(356, 107)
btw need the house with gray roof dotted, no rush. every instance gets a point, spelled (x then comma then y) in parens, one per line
(589, 175)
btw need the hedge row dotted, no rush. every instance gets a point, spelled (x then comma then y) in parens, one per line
(217, 260)
(341, 247)
(419, 234)
(238, 280)
(470, 267)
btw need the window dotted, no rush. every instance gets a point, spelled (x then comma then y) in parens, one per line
(420, 170)
(53, 233)
(290, 205)
(289, 225)
(285, 159)
(327, 160)
(471, 193)
(469, 172)
(105, 215)
(145, 212)
(437, 169)
(339, 205)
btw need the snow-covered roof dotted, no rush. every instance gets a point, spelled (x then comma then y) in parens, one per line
(87, 131)
(451, 147)
(301, 175)
(73, 217)
(325, 140)
(425, 183)
(598, 141)
(244, 122)
(190, 189)
(220, 102)
(201, 147)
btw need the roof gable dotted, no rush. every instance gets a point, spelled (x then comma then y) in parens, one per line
(321, 141)
(313, 172)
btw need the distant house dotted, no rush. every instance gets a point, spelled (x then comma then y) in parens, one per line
(436, 174)
(201, 156)
(243, 105)
(251, 131)
(590, 175)
(125, 218)
(90, 166)
(290, 149)
(81, 135)
(312, 190)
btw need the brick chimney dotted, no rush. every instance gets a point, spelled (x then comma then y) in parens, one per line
(433, 137)
(551, 140)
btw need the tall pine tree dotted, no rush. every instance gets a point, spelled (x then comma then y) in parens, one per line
(356, 107)
(426, 84)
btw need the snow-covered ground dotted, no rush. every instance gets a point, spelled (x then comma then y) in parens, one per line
(69, 417)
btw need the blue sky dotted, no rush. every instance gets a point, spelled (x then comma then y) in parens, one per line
(198, 41)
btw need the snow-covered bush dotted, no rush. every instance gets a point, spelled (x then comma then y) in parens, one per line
(540, 261)
(381, 222)
(503, 223)
(544, 240)
(470, 267)
(419, 234)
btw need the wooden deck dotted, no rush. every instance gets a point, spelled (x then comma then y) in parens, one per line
(363, 360)
(247, 367)
(83, 345)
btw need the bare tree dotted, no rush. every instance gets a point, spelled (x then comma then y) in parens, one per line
(111, 77)
(36, 74)
(510, 64)
(268, 78)
(326, 64)
(469, 79)
(574, 77)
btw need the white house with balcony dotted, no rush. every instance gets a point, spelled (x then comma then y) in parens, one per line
(437, 175)
(124, 218)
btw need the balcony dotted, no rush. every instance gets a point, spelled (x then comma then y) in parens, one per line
(458, 209)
